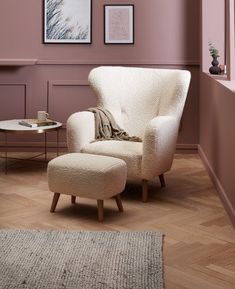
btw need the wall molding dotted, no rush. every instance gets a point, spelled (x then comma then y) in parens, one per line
(52, 144)
(120, 62)
(67, 83)
(53, 83)
(222, 193)
(17, 61)
(31, 145)
(189, 147)
(27, 95)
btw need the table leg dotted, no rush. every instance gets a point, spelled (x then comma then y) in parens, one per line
(45, 146)
(6, 151)
(57, 140)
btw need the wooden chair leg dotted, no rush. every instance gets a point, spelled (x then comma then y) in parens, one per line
(119, 203)
(100, 205)
(144, 191)
(162, 180)
(73, 199)
(54, 202)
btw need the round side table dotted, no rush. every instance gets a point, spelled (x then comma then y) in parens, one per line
(13, 127)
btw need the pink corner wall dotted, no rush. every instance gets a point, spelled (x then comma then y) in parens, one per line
(166, 36)
(217, 138)
(217, 102)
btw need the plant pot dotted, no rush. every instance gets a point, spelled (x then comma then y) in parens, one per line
(214, 69)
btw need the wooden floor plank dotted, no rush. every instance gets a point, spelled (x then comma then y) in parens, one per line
(199, 243)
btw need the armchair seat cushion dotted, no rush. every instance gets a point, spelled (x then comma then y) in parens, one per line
(130, 152)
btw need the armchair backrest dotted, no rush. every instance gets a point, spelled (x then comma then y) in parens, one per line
(136, 95)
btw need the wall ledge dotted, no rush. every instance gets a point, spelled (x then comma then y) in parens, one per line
(222, 193)
(230, 84)
(119, 62)
(222, 79)
(17, 62)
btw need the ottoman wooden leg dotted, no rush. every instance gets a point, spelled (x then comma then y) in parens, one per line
(162, 180)
(119, 202)
(144, 191)
(73, 199)
(100, 205)
(54, 202)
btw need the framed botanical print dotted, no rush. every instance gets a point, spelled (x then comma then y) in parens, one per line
(67, 21)
(119, 24)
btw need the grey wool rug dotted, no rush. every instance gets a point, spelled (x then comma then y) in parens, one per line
(31, 259)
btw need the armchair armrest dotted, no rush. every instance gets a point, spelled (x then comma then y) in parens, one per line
(159, 146)
(80, 130)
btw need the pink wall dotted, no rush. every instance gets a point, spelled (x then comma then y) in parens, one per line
(166, 35)
(166, 32)
(217, 138)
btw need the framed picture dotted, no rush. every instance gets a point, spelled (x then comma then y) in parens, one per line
(119, 24)
(67, 21)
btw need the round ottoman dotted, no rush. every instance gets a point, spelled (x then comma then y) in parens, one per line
(89, 176)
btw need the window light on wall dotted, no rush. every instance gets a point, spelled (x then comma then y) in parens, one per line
(213, 32)
(230, 38)
(220, 32)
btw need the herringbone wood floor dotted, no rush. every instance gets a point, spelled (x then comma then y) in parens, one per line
(199, 249)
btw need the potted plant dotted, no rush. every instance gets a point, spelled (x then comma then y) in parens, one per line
(214, 69)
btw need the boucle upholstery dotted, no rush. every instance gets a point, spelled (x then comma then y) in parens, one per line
(80, 130)
(85, 175)
(144, 102)
(130, 152)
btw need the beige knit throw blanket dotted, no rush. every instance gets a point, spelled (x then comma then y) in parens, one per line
(106, 127)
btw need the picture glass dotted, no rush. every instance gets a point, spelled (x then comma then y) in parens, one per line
(119, 24)
(67, 21)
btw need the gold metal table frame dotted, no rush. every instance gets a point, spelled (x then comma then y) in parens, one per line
(15, 128)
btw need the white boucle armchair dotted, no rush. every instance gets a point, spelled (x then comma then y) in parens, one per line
(145, 102)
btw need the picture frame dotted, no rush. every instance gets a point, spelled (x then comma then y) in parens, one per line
(67, 21)
(119, 24)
